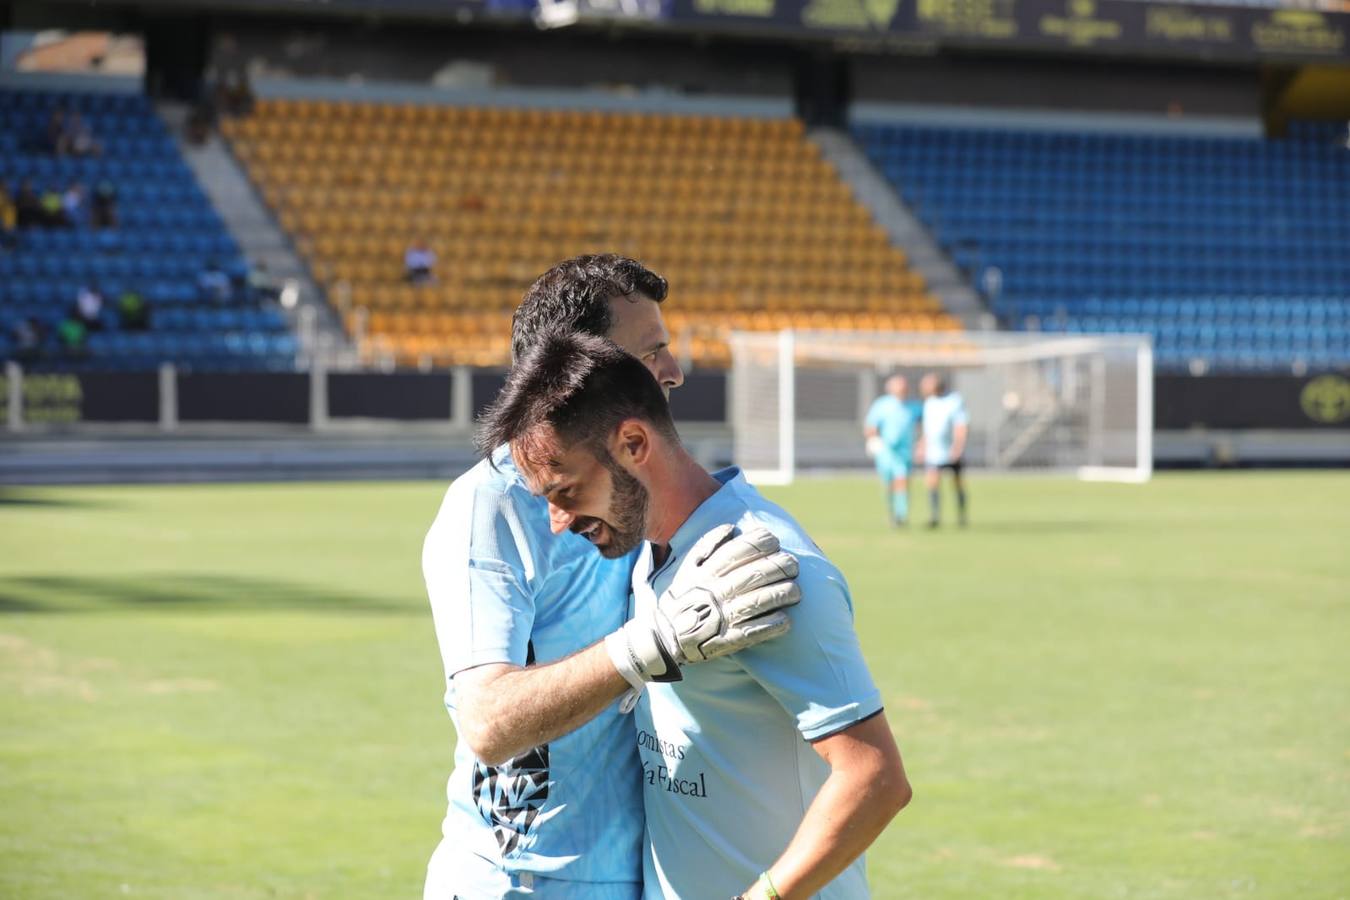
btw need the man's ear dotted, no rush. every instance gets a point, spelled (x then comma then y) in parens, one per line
(632, 442)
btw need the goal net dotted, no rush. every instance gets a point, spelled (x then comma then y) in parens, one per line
(1081, 404)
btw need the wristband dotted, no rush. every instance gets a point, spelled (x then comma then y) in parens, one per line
(769, 890)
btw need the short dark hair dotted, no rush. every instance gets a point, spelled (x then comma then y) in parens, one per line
(581, 385)
(575, 294)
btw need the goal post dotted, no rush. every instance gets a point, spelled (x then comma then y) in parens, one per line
(1078, 404)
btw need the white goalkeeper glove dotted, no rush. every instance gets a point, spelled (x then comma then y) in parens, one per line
(730, 593)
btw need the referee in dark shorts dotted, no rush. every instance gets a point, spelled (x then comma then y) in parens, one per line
(943, 444)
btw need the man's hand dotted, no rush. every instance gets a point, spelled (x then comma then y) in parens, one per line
(729, 594)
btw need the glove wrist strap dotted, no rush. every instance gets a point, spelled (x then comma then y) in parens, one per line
(639, 657)
(616, 643)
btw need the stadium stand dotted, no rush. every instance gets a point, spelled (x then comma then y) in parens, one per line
(1230, 252)
(164, 236)
(753, 229)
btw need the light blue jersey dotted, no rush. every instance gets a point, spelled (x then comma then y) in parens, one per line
(941, 415)
(727, 769)
(896, 421)
(565, 819)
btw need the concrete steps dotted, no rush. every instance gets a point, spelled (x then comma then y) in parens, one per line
(263, 241)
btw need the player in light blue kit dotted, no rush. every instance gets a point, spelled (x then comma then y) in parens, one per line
(545, 798)
(889, 429)
(766, 773)
(943, 444)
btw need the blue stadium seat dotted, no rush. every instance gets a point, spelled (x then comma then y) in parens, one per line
(1144, 233)
(167, 230)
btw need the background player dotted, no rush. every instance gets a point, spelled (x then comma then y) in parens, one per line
(943, 444)
(768, 772)
(890, 428)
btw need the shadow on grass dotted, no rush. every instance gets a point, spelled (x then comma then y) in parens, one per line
(39, 500)
(77, 594)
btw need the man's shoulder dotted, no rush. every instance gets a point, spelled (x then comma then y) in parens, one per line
(754, 510)
(494, 474)
(942, 405)
(888, 403)
(491, 487)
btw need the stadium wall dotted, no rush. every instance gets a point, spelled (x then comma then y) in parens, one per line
(171, 426)
(483, 58)
(991, 81)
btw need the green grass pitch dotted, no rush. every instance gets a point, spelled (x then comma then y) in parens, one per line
(1100, 690)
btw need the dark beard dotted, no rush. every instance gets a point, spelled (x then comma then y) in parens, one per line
(628, 506)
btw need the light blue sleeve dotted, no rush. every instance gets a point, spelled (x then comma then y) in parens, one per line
(874, 416)
(816, 671)
(475, 562)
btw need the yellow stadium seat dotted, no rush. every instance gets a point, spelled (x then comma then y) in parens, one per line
(752, 227)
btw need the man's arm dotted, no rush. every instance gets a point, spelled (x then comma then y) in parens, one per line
(505, 710)
(866, 788)
(733, 598)
(871, 422)
(959, 440)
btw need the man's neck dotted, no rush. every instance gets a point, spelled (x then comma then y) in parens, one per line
(682, 488)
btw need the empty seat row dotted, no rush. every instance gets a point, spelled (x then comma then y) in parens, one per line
(113, 241)
(1230, 248)
(742, 216)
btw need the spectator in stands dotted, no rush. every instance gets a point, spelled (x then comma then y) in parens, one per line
(991, 284)
(9, 218)
(103, 210)
(202, 119)
(419, 263)
(57, 141)
(213, 283)
(72, 204)
(53, 208)
(133, 313)
(261, 284)
(79, 140)
(73, 337)
(27, 335)
(88, 309)
(235, 94)
(28, 205)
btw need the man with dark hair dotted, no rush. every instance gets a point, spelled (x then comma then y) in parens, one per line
(767, 772)
(942, 444)
(28, 205)
(538, 646)
(103, 209)
(573, 294)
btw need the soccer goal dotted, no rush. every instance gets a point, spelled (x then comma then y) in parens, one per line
(1081, 404)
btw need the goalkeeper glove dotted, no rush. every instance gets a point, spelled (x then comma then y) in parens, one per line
(730, 593)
